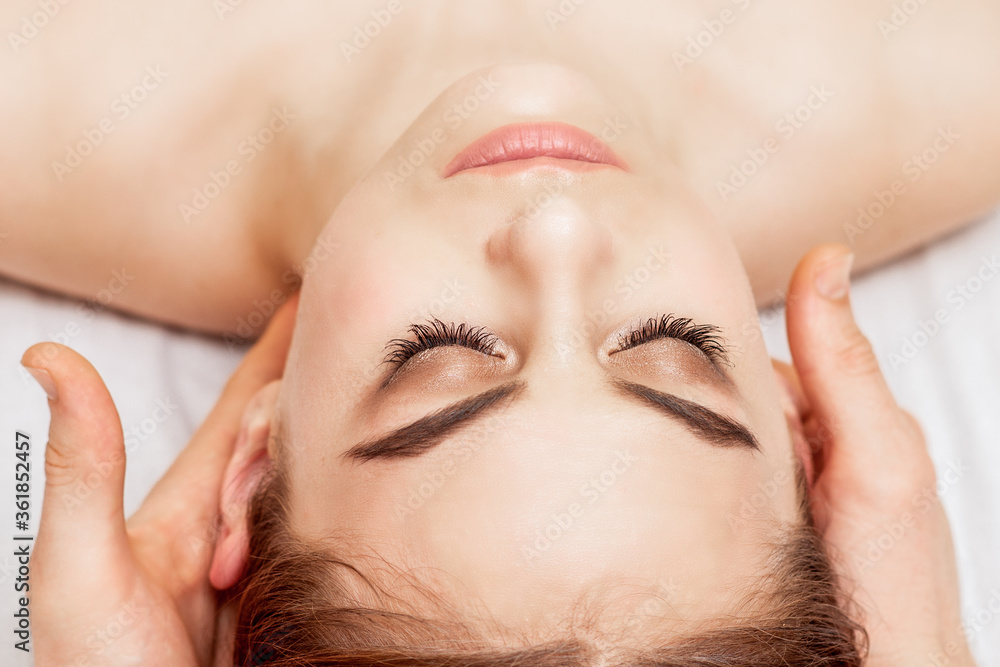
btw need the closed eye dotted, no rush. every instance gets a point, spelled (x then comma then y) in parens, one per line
(705, 337)
(435, 333)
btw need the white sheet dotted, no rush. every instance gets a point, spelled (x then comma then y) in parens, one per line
(952, 383)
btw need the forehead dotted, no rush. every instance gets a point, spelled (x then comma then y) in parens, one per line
(539, 497)
(525, 517)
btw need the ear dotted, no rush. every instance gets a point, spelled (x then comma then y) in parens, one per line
(796, 408)
(250, 460)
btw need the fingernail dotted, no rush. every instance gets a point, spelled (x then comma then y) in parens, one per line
(833, 280)
(45, 380)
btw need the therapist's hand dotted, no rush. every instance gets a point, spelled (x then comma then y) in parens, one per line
(874, 492)
(109, 592)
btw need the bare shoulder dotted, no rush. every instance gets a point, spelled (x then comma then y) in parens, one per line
(942, 75)
(183, 145)
(878, 131)
(943, 67)
(140, 147)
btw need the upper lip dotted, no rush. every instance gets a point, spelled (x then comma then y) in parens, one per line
(523, 141)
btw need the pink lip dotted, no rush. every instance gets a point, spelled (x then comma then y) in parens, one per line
(524, 141)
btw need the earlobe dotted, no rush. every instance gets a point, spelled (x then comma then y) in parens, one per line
(250, 460)
(796, 412)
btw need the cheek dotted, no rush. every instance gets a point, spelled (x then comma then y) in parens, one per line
(363, 298)
(369, 290)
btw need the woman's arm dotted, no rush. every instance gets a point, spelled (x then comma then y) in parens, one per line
(856, 123)
(177, 195)
(121, 128)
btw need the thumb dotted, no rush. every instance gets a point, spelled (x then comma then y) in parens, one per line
(85, 454)
(855, 419)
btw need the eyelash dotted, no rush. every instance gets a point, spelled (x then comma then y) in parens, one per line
(705, 337)
(436, 333)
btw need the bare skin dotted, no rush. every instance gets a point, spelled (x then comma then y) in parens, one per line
(814, 94)
(879, 96)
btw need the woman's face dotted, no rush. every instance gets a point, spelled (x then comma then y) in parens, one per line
(572, 467)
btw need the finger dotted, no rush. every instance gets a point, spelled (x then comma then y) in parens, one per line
(210, 449)
(264, 363)
(793, 386)
(84, 457)
(193, 484)
(835, 362)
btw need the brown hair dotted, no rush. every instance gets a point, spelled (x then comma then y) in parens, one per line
(299, 605)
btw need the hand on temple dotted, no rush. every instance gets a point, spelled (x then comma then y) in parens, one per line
(874, 488)
(109, 592)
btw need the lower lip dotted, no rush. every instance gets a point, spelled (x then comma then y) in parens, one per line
(552, 144)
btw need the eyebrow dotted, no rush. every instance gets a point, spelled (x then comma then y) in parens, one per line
(427, 432)
(714, 428)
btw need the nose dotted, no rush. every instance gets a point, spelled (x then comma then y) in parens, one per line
(554, 244)
(560, 258)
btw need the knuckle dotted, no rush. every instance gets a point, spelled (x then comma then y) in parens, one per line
(855, 354)
(67, 468)
(910, 478)
(60, 467)
(913, 474)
